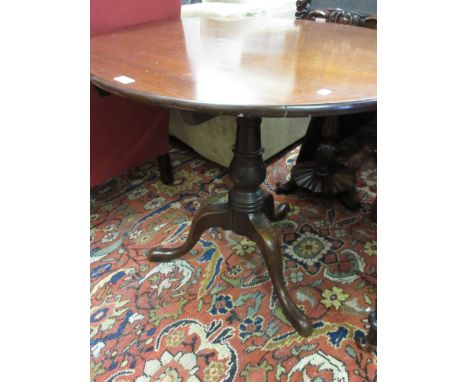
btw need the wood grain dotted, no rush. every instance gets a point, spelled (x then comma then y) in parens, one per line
(259, 67)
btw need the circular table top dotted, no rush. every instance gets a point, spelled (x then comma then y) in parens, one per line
(256, 66)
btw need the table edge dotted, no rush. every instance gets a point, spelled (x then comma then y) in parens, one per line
(348, 107)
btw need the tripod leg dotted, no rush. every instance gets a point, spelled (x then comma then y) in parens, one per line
(263, 234)
(275, 213)
(208, 216)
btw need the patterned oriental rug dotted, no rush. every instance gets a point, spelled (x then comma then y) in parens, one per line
(212, 315)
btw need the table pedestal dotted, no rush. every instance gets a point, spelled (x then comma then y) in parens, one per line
(317, 168)
(248, 212)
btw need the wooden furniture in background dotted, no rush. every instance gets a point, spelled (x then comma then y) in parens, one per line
(305, 10)
(369, 343)
(317, 169)
(301, 57)
(371, 338)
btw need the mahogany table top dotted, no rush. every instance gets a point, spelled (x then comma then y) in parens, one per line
(266, 67)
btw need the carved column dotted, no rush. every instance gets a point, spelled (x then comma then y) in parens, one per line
(247, 172)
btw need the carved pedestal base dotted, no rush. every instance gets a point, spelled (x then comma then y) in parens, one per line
(317, 169)
(309, 177)
(248, 212)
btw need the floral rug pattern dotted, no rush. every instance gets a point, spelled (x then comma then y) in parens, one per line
(212, 315)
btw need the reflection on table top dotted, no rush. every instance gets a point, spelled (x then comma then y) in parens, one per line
(256, 66)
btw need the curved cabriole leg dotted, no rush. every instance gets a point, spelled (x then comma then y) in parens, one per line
(217, 215)
(275, 213)
(263, 234)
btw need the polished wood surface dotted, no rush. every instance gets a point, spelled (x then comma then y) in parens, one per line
(255, 66)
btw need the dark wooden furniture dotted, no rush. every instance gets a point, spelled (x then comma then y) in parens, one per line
(251, 69)
(317, 169)
(305, 10)
(371, 338)
(369, 343)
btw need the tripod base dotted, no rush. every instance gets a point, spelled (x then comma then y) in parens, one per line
(248, 212)
(257, 228)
